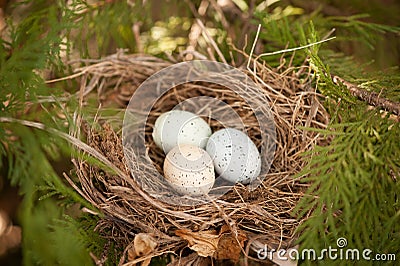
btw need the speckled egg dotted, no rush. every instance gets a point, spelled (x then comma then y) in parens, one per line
(189, 170)
(180, 127)
(235, 156)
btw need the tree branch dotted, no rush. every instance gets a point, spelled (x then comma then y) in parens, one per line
(372, 98)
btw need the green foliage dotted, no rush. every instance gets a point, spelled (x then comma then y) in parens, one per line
(34, 47)
(81, 232)
(116, 33)
(167, 37)
(110, 25)
(353, 181)
(48, 241)
(283, 27)
(279, 35)
(30, 169)
(354, 191)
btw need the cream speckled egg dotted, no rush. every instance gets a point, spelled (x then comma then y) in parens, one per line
(180, 127)
(235, 156)
(189, 170)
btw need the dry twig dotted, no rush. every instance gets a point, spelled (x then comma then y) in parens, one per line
(372, 98)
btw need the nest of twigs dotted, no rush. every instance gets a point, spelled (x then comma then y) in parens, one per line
(236, 225)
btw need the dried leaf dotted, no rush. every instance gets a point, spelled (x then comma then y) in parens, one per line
(143, 244)
(228, 246)
(204, 243)
(223, 245)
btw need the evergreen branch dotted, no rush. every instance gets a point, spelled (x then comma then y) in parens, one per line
(372, 98)
(353, 189)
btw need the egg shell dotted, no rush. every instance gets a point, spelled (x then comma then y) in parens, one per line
(235, 156)
(189, 170)
(178, 127)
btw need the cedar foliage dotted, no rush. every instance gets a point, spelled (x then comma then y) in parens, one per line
(33, 47)
(354, 180)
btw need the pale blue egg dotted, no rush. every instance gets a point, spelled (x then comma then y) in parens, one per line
(178, 127)
(236, 158)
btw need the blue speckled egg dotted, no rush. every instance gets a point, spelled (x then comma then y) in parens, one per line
(178, 127)
(235, 156)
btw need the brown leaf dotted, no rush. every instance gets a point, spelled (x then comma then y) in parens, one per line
(204, 243)
(220, 246)
(228, 246)
(143, 244)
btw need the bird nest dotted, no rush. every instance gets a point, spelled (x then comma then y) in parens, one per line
(232, 227)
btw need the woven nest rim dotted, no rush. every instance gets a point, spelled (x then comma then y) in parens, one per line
(263, 216)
